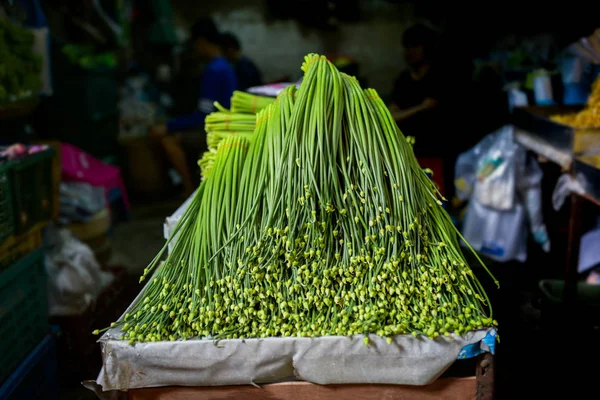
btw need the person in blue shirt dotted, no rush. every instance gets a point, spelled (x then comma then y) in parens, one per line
(246, 71)
(218, 81)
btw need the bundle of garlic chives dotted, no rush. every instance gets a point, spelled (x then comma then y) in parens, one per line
(325, 225)
(242, 102)
(220, 125)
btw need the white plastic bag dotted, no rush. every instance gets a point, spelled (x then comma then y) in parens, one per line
(500, 235)
(566, 185)
(80, 201)
(487, 171)
(74, 276)
(589, 256)
(137, 116)
(504, 186)
(529, 184)
(465, 170)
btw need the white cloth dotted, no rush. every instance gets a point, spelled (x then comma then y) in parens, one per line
(324, 360)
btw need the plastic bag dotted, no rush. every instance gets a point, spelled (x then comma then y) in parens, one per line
(487, 171)
(589, 256)
(566, 185)
(137, 116)
(500, 235)
(530, 192)
(74, 276)
(466, 168)
(496, 171)
(80, 201)
(505, 189)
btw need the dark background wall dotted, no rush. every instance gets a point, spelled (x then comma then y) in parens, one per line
(277, 41)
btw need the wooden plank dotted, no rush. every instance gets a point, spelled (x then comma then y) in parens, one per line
(442, 389)
(544, 148)
(573, 244)
(485, 372)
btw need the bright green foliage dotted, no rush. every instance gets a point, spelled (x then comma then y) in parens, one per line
(20, 67)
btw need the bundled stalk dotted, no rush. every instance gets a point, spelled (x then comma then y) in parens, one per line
(242, 102)
(240, 121)
(182, 288)
(229, 122)
(213, 138)
(206, 163)
(328, 227)
(219, 126)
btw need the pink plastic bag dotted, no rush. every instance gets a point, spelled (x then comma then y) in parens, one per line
(78, 166)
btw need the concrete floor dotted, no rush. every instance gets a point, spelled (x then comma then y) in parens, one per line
(137, 241)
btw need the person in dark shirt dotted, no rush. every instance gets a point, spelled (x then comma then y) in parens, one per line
(218, 82)
(246, 71)
(418, 91)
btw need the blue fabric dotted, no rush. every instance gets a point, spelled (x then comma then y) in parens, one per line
(217, 84)
(247, 74)
(487, 344)
(575, 94)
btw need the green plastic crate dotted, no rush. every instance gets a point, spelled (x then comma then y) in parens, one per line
(7, 221)
(23, 310)
(33, 199)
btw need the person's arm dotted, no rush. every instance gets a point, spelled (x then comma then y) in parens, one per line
(402, 107)
(195, 120)
(401, 114)
(190, 121)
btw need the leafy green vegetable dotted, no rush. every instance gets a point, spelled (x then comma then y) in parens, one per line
(20, 67)
(86, 57)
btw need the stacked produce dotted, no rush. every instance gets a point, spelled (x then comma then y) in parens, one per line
(219, 126)
(242, 102)
(20, 67)
(321, 223)
(589, 117)
(240, 121)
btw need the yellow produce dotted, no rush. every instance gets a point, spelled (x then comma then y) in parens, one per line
(589, 117)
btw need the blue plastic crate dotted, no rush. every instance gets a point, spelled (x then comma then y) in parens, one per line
(35, 377)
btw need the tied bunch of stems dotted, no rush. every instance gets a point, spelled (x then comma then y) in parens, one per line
(223, 123)
(220, 125)
(328, 227)
(242, 102)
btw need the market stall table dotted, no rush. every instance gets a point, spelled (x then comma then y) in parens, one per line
(295, 368)
(449, 388)
(568, 147)
(300, 368)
